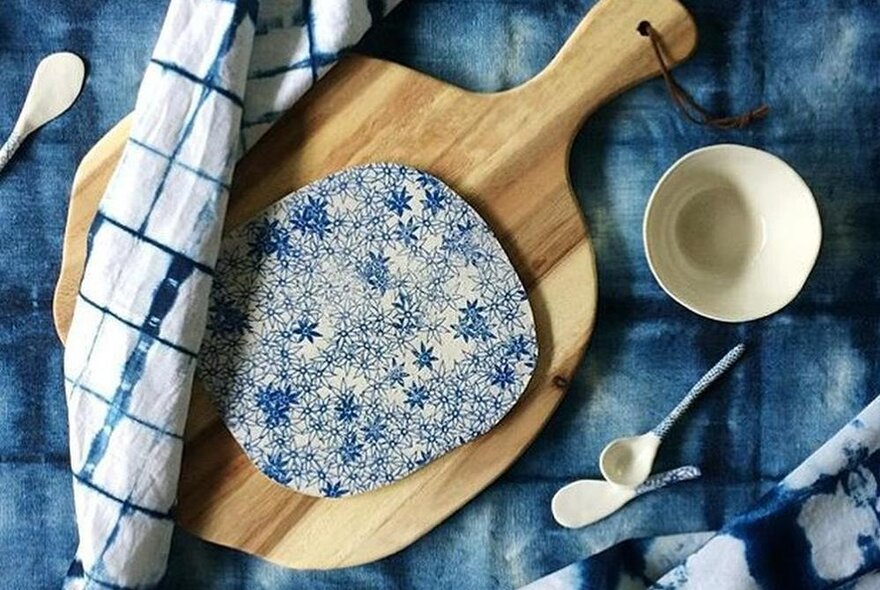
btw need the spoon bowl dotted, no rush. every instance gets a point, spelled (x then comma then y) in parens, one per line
(585, 501)
(627, 461)
(57, 83)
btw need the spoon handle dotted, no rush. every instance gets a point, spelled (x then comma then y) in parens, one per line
(9, 148)
(705, 381)
(661, 480)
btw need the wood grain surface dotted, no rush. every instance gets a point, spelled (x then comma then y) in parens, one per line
(507, 154)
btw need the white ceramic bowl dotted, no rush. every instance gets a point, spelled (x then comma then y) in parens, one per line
(732, 232)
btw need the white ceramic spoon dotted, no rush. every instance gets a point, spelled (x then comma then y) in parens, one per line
(56, 84)
(628, 461)
(586, 501)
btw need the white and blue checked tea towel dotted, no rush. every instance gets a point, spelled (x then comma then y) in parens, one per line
(222, 72)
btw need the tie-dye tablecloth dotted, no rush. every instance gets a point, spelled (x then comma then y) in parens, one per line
(810, 369)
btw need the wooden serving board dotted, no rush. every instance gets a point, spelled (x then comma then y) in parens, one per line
(507, 154)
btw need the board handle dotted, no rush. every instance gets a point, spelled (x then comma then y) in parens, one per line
(606, 54)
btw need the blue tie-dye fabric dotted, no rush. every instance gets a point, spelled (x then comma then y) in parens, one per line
(810, 369)
(819, 528)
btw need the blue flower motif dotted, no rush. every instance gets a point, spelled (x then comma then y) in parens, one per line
(461, 240)
(333, 490)
(519, 347)
(275, 404)
(386, 171)
(434, 199)
(406, 232)
(424, 356)
(350, 450)
(347, 409)
(312, 218)
(398, 202)
(503, 376)
(407, 320)
(397, 373)
(305, 330)
(379, 467)
(269, 238)
(374, 430)
(375, 271)
(276, 468)
(225, 318)
(473, 323)
(464, 228)
(416, 396)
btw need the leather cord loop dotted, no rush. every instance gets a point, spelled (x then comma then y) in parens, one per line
(686, 103)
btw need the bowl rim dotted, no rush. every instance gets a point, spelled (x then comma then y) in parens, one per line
(806, 193)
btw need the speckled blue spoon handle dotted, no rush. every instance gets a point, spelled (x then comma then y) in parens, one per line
(9, 148)
(705, 381)
(661, 480)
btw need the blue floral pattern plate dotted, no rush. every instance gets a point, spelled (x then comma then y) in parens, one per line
(362, 327)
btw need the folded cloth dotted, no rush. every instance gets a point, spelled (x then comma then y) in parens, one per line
(819, 528)
(222, 72)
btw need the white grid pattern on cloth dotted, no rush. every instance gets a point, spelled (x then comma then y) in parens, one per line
(140, 315)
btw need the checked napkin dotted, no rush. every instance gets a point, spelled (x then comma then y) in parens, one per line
(221, 73)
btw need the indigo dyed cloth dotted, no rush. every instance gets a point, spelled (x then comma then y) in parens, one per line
(221, 72)
(819, 528)
(810, 369)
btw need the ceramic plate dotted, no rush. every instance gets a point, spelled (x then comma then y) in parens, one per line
(362, 327)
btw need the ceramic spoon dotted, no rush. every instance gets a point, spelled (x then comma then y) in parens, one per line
(56, 84)
(628, 461)
(586, 501)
